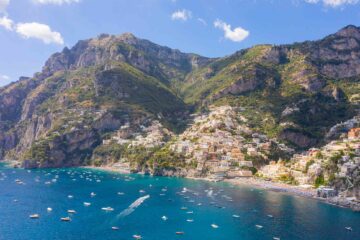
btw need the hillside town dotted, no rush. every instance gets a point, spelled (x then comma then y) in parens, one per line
(337, 164)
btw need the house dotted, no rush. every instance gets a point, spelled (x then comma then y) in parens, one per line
(354, 133)
(326, 192)
(245, 164)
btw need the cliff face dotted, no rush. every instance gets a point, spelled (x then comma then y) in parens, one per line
(108, 85)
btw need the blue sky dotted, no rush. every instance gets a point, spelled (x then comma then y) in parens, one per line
(31, 30)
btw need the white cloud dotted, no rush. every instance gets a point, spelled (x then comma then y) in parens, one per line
(181, 15)
(39, 31)
(4, 77)
(56, 2)
(202, 21)
(6, 23)
(237, 34)
(3, 5)
(333, 3)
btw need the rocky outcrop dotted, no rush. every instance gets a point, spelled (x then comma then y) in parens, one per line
(338, 55)
(297, 138)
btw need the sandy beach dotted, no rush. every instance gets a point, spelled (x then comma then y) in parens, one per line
(252, 182)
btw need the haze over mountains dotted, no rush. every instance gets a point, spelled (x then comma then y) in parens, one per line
(84, 95)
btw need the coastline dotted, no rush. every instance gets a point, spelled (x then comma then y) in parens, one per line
(300, 191)
(249, 182)
(252, 182)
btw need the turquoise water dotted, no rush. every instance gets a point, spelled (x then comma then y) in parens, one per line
(204, 203)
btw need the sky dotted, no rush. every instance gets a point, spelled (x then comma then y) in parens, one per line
(32, 30)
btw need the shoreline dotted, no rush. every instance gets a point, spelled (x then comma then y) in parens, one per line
(249, 182)
(305, 191)
(252, 182)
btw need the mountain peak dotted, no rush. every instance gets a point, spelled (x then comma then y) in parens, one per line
(349, 31)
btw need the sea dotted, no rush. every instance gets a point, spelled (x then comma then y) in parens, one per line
(106, 205)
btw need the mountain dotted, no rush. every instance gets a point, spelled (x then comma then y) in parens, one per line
(121, 99)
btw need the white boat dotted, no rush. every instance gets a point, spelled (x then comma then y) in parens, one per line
(348, 228)
(86, 204)
(235, 216)
(49, 209)
(107, 209)
(65, 219)
(70, 196)
(189, 220)
(92, 194)
(258, 226)
(121, 193)
(137, 236)
(34, 216)
(164, 218)
(276, 238)
(214, 226)
(115, 228)
(71, 211)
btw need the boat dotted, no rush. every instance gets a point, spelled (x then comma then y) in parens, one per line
(179, 233)
(214, 226)
(107, 209)
(276, 238)
(258, 226)
(70, 196)
(121, 193)
(348, 228)
(92, 194)
(65, 219)
(115, 228)
(270, 216)
(86, 204)
(235, 216)
(137, 236)
(164, 218)
(71, 211)
(189, 220)
(34, 216)
(49, 209)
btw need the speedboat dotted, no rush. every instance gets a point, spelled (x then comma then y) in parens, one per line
(49, 209)
(348, 228)
(137, 236)
(65, 219)
(71, 211)
(115, 228)
(34, 216)
(107, 209)
(214, 226)
(258, 226)
(164, 218)
(179, 233)
(86, 204)
(235, 216)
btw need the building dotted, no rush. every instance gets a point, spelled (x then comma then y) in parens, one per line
(326, 192)
(354, 133)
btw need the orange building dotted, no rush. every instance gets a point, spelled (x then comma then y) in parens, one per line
(354, 133)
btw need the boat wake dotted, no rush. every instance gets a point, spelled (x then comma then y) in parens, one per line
(133, 206)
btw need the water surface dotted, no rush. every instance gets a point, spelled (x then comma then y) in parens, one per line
(192, 207)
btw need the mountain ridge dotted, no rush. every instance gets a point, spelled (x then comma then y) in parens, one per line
(98, 102)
